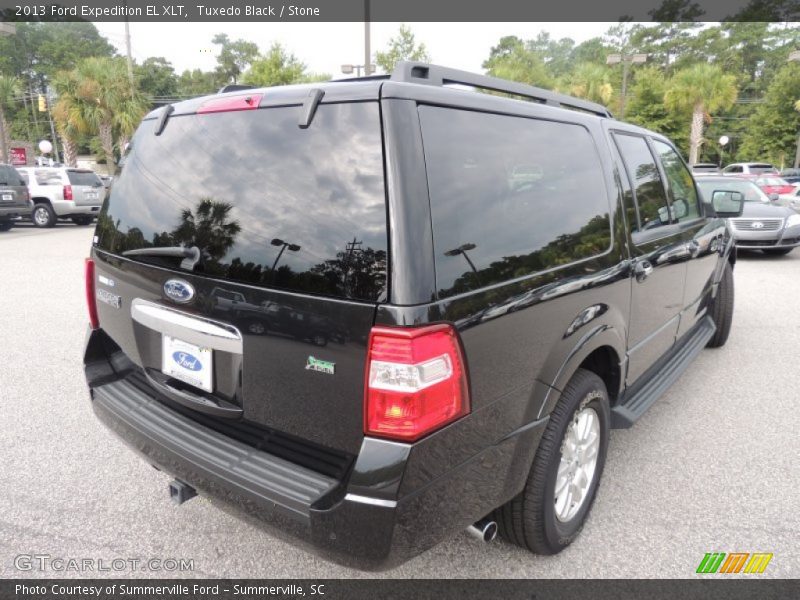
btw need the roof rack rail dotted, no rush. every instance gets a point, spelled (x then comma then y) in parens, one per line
(427, 74)
(235, 87)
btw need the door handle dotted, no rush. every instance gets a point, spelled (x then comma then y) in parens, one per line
(643, 269)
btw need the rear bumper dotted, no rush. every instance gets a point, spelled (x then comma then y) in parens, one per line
(17, 210)
(68, 209)
(367, 520)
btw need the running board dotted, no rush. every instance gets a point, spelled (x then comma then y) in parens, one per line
(626, 414)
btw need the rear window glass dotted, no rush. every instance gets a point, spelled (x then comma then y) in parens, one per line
(510, 196)
(268, 203)
(89, 178)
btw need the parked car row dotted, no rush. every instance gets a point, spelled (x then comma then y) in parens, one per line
(46, 194)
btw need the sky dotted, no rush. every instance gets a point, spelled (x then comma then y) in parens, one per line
(324, 47)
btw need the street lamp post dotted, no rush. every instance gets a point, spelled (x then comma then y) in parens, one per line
(284, 246)
(723, 141)
(462, 249)
(627, 60)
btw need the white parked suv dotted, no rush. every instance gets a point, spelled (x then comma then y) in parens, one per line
(63, 193)
(751, 168)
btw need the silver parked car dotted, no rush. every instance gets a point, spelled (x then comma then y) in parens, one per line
(64, 193)
(764, 224)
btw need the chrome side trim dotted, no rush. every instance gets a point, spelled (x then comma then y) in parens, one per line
(189, 328)
(372, 501)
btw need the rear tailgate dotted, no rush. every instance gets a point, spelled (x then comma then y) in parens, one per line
(271, 326)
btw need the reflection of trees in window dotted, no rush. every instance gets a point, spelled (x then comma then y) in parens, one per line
(592, 239)
(354, 273)
(649, 193)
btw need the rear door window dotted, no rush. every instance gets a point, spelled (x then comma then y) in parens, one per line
(683, 195)
(267, 202)
(510, 196)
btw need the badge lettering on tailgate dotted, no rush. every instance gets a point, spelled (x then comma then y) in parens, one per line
(323, 366)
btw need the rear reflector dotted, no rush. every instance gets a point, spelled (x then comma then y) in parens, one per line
(230, 103)
(91, 301)
(68, 192)
(416, 381)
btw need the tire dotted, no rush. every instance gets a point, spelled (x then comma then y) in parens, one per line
(256, 327)
(777, 251)
(43, 215)
(82, 220)
(531, 519)
(722, 309)
(6, 225)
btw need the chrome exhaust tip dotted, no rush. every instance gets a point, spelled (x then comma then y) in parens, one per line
(485, 530)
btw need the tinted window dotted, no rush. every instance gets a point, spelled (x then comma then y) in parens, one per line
(651, 200)
(24, 175)
(733, 169)
(683, 196)
(17, 177)
(510, 196)
(88, 178)
(267, 202)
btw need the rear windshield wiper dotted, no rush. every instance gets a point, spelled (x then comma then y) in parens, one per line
(191, 256)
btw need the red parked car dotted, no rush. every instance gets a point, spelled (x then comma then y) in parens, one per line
(774, 185)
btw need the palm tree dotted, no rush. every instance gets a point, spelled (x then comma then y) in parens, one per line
(68, 114)
(8, 87)
(107, 102)
(700, 90)
(590, 81)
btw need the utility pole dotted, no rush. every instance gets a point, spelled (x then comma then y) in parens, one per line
(367, 52)
(48, 99)
(128, 50)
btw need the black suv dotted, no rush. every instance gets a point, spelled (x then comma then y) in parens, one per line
(507, 280)
(15, 200)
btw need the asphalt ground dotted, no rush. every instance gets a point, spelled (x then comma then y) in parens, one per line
(714, 466)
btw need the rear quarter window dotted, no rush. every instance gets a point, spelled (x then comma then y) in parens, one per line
(44, 177)
(510, 196)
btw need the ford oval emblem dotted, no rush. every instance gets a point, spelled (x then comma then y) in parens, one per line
(187, 361)
(179, 290)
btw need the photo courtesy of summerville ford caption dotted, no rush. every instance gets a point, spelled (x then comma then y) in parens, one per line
(376, 312)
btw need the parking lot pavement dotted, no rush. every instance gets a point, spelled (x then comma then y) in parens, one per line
(713, 466)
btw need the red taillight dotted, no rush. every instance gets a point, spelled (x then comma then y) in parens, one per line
(67, 192)
(416, 381)
(91, 301)
(230, 103)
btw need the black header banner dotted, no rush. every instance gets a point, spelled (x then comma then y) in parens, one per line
(399, 10)
(713, 588)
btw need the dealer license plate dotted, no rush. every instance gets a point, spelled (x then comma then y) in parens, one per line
(187, 362)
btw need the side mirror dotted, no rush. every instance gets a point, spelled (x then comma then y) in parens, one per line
(725, 204)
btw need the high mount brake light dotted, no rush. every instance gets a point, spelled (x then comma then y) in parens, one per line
(416, 381)
(230, 103)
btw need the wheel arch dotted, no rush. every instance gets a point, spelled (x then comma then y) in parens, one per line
(602, 351)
